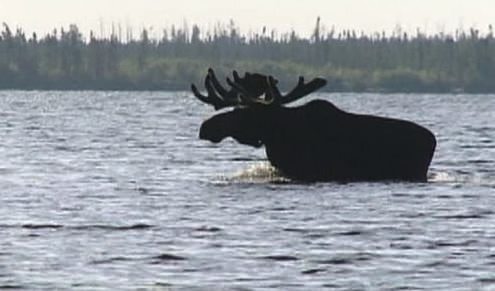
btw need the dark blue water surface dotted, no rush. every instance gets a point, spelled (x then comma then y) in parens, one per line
(113, 190)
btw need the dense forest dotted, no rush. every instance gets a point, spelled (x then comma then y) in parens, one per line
(65, 59)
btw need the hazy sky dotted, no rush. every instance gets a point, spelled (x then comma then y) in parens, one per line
(283, 15)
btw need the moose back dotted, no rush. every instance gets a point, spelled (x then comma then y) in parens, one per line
(316, 141)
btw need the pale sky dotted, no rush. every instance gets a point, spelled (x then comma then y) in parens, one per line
(283, 15)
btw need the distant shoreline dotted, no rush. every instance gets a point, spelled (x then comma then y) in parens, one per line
(348, 60)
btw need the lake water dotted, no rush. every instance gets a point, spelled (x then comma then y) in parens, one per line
(113, 190)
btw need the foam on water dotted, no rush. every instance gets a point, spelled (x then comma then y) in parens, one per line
(475, 179)
(442, 177)
(261, 172)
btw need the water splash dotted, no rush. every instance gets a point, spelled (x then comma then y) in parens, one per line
(461, 177)
(261, 172)
(442, 177)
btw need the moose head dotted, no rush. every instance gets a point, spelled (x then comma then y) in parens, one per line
(255, 98)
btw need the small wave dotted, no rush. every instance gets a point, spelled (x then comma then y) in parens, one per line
(162, 258)
(41, 226)
(11, 287)
(208, 229)
(464, 216)
(63, 148)
(487, 280)
(112, 260)
(336, 261)
(78, 227)
(312, 271)
(479, 161)
(282, 258)
(281, 208)
(443, 244)
(154, 260)
(347, 259)
(299, 230)
(438, 264)
(112, 227)
(351, 233)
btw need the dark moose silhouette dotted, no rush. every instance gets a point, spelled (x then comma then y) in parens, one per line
(316, 141)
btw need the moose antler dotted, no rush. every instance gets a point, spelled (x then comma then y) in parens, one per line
(273, 95)
(249, 90)
(302, 89)
(223, 99)
(244, 91)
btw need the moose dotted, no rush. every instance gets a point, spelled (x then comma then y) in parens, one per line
(316, 141)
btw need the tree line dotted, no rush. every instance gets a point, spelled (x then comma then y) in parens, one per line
(65, 59)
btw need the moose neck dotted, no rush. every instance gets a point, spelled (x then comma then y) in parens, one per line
(276, 126)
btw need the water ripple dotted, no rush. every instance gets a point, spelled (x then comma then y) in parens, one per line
(167, 257)
(281, 258)
(137, 226)
(111, 260)
(12, 287)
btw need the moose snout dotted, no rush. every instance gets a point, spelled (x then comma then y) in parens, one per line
(209, 130)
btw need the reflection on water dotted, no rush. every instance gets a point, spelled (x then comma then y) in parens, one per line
(113, 190)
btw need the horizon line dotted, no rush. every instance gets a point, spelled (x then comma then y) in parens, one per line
(113, 29)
